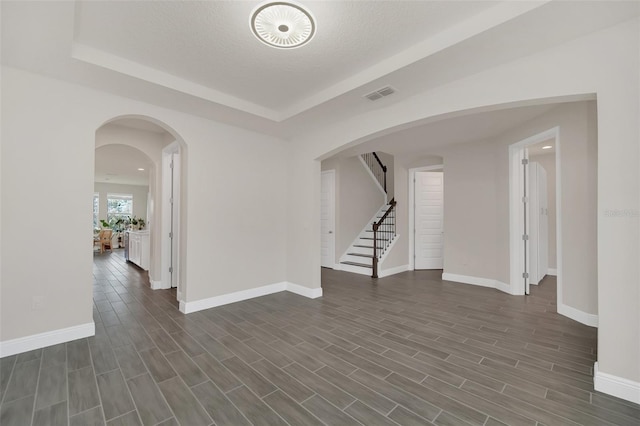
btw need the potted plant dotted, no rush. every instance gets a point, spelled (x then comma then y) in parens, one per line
(118, 227)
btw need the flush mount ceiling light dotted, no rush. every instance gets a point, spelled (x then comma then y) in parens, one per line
(282, 24)
(547, 147)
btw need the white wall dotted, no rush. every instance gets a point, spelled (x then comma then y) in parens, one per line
(477, 204)
(43, 152)
(471, 211)
(140, 194)
(578, 164)
(237, 212)
(358, 198)
(410, 162)
(548, 163)
(234, 214)
(604, 63)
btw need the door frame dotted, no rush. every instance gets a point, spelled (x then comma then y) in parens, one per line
(170, 246)
(412, 210)
(516, 248)
(331, 173)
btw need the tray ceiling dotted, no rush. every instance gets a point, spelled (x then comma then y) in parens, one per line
(200, 57)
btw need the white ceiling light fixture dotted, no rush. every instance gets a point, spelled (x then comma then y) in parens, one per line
(547, 147)
(284, 25)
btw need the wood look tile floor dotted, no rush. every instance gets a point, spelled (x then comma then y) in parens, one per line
(409, 349)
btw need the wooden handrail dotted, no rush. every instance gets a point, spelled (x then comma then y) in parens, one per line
(388, 228)
(392, 204)
(371, 159)
(384, 168)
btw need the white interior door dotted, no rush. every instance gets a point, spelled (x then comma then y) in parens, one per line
(543, 223)
(327, 218)
(175, 217)
(534, 224)
(170, 207)
(429, 220)
(538, 224)
(526, 225)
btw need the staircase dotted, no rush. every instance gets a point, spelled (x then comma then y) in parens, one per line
(377, 170)
(377, 237)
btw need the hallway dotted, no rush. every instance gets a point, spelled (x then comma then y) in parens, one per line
(111, 274)
(409, 349)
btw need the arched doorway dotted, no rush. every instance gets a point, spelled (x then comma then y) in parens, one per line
(145, 137)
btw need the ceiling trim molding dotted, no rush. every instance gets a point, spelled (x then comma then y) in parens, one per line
(490, 18)
(100, 58)
(493, 17)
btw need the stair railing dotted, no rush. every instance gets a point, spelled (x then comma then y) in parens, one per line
(387, 227)
(378, 169)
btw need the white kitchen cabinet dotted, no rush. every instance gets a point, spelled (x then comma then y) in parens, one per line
(138, 248)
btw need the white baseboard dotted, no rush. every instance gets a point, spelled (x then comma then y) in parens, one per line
(238, 296)
(157, 285)
(582, 317)
(225, 299)
(616, 386)
(311, 293)
(392, 271)
(506, 288)
(49, 338)
(355, 269)
(483, 282)
(367, 271)
(552, 271)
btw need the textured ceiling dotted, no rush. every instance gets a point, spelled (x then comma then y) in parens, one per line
(537, 148)
(433, 136)
(210, 43)
(119, 164)
(200, 57)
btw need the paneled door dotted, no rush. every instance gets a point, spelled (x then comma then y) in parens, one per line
(429, 220)
(327, 219)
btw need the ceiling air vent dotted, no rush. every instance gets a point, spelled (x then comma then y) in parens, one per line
(375, 95)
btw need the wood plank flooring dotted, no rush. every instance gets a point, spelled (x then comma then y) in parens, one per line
(409, 349)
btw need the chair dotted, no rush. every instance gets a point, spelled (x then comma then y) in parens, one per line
(103, 240)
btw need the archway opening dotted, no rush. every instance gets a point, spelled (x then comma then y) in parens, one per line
(128, 148)
(473, 147)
